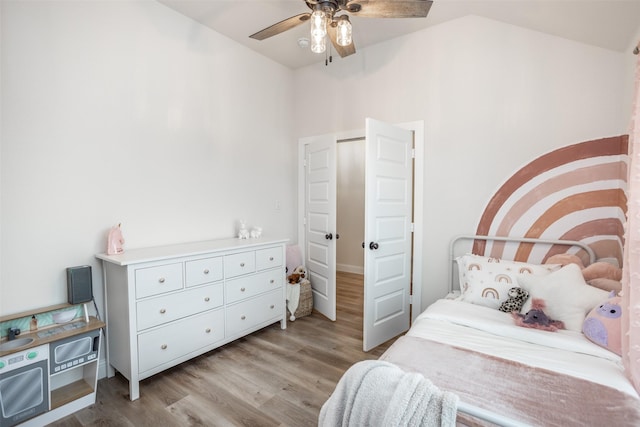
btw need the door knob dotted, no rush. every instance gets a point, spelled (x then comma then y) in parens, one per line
(337, 236)
(328, 236)
(373, 246)
(362, 245)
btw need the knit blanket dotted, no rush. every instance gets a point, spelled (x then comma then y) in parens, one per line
(378, 393)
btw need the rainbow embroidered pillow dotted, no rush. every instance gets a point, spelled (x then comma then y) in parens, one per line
(486, 281)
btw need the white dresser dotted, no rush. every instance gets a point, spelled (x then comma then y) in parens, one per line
(167, 304)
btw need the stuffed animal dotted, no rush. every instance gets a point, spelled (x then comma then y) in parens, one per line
(603, 324)
(302, 272)
(536, 318)
(600, 274)
(517, 297)
(293, 278)
(564, 259)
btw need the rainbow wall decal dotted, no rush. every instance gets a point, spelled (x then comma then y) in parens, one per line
(577, 192)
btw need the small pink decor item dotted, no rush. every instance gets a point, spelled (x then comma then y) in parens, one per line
(115, 241)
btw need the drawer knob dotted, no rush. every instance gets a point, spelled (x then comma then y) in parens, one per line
(271, 306)
(270, 258)
(206, 299)
(271, 281)
(163, 311)
(163, 346)
(206, 271)
(161, 280)
(243, 317)
(208, 330)
(242, 289)
(242, 264)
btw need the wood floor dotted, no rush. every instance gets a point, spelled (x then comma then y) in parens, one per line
(270, 378)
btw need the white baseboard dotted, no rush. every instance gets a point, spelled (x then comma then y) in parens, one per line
(350, 268)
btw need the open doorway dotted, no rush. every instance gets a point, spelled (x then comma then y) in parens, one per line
(350, 205)
(391, 155)
(350, 209)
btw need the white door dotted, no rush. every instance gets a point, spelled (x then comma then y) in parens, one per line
(388, 234)
(320, 221)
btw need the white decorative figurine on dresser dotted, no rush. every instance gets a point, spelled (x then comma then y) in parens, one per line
(168, 304)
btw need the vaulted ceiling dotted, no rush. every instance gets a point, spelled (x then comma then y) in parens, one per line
(610, 24)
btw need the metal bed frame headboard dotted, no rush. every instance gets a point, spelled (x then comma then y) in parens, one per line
(456, 240)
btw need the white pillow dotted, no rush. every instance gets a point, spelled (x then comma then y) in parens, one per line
(486, 281)
(566, 295)
(481, 288)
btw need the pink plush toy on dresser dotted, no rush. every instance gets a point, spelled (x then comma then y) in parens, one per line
(115, 241)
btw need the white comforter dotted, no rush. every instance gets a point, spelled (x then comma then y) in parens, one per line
(493, 332)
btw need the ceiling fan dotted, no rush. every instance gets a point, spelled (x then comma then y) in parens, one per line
(325, 21)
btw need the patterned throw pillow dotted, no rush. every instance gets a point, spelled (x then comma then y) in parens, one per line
(486, 281)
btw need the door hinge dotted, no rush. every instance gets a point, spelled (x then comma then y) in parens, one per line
(304, 163)
(410, 299)
(412, 227)
(413, 153)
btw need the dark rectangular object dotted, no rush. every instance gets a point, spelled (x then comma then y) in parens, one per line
(79, 284)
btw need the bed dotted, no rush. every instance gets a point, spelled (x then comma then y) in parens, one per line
(509, 375)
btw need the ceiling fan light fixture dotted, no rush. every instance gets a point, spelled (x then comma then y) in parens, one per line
(344, 31)
(318, 44)
(318, 23)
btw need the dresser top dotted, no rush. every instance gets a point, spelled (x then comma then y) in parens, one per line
(159, 253)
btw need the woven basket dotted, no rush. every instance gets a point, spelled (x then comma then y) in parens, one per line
(305, 305)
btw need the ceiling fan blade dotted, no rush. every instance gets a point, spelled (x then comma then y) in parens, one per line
(342, 50)
(390, 8)
(281, 26)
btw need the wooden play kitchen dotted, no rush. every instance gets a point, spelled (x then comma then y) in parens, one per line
(49, 372)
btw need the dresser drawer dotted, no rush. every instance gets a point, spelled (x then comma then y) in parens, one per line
(166, 308)
(159, 279)
(179, 338)
(239, 264)
(268, 258)
(247, 314)
(202, 271)
(245, 287)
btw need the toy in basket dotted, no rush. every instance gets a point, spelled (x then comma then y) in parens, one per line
(299, 295)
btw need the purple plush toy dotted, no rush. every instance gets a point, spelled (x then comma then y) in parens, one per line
(536, 318)
(603, 324)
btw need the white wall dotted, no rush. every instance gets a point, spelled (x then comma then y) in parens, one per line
(493, 97)
(128, 112)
